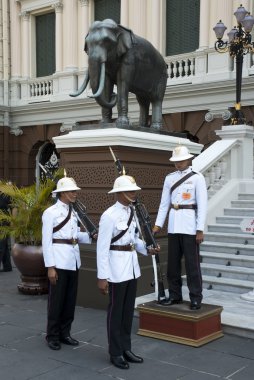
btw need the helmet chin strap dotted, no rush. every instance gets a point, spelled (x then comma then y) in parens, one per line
(128, 198)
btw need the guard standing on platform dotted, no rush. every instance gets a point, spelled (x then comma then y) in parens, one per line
(60, 238)
(184, 195)
(118, 269)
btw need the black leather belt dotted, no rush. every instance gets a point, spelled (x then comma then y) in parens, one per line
(65, 241)
(178, 207)
(129, 247)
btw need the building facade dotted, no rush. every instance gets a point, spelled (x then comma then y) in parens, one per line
(42, 60)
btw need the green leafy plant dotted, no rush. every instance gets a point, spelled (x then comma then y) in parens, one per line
(23, 222)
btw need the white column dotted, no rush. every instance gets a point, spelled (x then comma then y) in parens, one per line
(204, 23)
(124, 20)
(138, 16)
(70, 33)
(15, 26)
(220, 10)
(83, 30)
(155, 23)
(25, 45)
(59, 35)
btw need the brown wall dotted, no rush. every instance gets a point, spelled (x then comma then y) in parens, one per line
(18, 153)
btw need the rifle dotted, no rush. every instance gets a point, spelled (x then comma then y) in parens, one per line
(79, 208)
(144, 223)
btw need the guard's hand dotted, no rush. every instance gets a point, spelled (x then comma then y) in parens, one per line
(152, 251)
(52, 275)
(199, 237)
(156, 229)
(103, 286)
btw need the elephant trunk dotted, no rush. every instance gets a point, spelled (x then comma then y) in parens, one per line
(82, 87)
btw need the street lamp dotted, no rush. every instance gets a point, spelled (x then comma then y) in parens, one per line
(239, 44)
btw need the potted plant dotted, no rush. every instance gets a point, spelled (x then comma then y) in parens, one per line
(23, 223)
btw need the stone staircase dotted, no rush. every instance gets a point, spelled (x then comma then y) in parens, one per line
(227, 268)
(227, 253)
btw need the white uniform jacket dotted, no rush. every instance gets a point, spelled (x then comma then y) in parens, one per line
(61, 256)
(191, 191)
(118, 266)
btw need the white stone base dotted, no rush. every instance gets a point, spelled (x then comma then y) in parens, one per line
(125, 137)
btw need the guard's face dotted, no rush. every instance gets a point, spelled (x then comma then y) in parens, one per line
(68, 196)
(126, 197)
(182, 165)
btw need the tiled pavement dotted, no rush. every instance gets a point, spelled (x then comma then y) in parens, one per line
(24, 354)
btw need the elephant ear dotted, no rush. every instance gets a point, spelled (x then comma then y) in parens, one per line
(125, 41)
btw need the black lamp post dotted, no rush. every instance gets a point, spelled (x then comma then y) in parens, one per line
(239, 44)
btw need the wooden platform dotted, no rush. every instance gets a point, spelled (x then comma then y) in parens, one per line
(177, 323)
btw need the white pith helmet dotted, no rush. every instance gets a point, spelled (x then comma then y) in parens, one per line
(124, 183)
(66, 184)
(180, 153)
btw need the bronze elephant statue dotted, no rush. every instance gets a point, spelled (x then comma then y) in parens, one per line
(118, 57)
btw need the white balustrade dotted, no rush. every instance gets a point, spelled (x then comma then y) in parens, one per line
(41, 88)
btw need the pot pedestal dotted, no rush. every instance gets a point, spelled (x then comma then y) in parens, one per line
(29, 261)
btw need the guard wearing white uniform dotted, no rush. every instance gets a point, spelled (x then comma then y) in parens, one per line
(118, 269)
(60, 237)
(184, 196)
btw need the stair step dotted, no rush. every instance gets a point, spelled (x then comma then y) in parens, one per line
(227, 259)
(233, 248)
(228, 228)
(244, 212)
(241, 238)
(219, 271)
(236, 220)
(225, 284)
(243, 196)
(244, 203)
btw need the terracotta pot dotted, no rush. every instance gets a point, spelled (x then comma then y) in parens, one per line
(29, 261)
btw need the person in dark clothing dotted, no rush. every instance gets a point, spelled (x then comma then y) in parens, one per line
(5, 254)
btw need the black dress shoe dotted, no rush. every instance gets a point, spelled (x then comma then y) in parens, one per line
(69, 341)
(195, 305)
(54, 344)
(119, 362)
(170, 301)
(132, 358)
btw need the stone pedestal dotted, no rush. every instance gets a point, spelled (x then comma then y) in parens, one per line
(177, 323)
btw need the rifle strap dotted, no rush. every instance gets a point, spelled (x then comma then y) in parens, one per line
(57, 228)
(117, 237)
(178, 183)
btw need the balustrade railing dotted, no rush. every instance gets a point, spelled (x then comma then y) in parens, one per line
(40, 88)
(189, 68)
(215, 163)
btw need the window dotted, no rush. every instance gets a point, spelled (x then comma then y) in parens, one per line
(182, 18)
(107, 9)
(45, 44)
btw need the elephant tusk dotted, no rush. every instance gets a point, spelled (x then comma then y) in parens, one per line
(102, 82)
(82, 87)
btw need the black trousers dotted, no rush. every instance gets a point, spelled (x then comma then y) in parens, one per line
(180, 245)
(5, 254)
(120, 315)
(61, 304)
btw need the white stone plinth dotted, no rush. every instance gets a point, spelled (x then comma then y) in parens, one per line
(124, 137)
